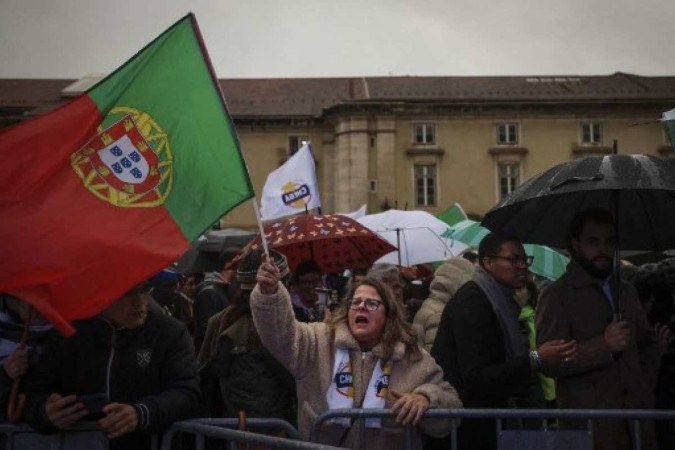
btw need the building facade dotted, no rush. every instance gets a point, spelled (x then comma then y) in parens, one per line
(417, 142)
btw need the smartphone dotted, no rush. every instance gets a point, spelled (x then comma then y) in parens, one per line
(93, 402)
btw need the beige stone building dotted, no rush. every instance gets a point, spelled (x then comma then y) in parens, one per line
(418, 142)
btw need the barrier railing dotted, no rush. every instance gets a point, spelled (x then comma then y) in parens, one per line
(224, 428)
(634, 416)
(23, 436)
(202, 431)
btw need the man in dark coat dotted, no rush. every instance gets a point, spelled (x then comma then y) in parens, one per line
(618, 359)
(482, 347)
(212, 297)
(141, 360)
(236, 370)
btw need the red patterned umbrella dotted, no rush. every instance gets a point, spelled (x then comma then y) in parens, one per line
(334, 241)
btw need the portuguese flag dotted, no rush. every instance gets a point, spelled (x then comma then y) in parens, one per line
(107, 190)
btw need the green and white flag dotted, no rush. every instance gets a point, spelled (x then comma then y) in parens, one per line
(669, 125)
(453, 214)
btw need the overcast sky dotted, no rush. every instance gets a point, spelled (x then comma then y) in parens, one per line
(320, 38)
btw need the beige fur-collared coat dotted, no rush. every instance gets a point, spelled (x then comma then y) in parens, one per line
(308, 352)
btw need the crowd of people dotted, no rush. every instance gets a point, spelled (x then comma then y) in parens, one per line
(261, 340)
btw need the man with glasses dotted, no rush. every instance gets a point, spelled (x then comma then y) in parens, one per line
(618, 357)
(131, 368)
(481, 345)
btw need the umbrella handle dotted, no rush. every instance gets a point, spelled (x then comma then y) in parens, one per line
(16, 400)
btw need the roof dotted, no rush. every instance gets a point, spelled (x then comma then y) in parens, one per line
(309, 97)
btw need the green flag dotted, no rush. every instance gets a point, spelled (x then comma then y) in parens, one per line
(453, 214)
(105, 191)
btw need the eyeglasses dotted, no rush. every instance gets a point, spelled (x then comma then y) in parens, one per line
(518, 260)
(370, 304)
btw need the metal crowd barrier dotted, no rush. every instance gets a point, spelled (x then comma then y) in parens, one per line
(224, 429)
(234, 437)
(505, 440)
(21, 436)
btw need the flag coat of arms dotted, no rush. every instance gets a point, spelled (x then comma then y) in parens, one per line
(292, 188)
(108, 189)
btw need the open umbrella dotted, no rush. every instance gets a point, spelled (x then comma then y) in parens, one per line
(417, 234)
(638, 190)
(548, 262)
(334, 241)
(204, 256)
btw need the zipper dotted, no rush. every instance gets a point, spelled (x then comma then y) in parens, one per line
(110, 360)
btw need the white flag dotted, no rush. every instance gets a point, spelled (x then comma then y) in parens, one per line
(356, 214)
(291, 188)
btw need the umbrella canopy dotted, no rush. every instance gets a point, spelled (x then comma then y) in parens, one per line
(548, 262)
(638, 189)
(417, 234)
(204, 256)
(334, 241)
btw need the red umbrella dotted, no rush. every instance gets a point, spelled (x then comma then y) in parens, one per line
(334, 241)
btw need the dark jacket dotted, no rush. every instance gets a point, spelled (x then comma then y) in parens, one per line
(211, 298)
(151, 367)
(11, 332)
(469, 347)
(240, 374)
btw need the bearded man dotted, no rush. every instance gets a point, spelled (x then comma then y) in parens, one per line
(617, 358)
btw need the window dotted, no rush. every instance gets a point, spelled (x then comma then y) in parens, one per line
(425, 134)
(591, 133)
(425, 184)
(508, 176)
(295, 142)
(507, 134)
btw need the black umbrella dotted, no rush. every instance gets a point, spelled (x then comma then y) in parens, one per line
(205, 254)
(638, 190)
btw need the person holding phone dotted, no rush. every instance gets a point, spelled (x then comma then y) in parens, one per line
(131, 368)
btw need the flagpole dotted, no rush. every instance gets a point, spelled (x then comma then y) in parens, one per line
(258, 218)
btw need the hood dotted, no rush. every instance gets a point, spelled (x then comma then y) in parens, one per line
(449, 277)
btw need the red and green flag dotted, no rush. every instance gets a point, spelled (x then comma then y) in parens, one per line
(108, 189)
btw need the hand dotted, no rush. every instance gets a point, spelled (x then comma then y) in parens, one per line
(664, 336)
(64, 411)
(268, 277)
(120, 419)
(409, 407)
(558, 351)
(16, 364)
(617, 336)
